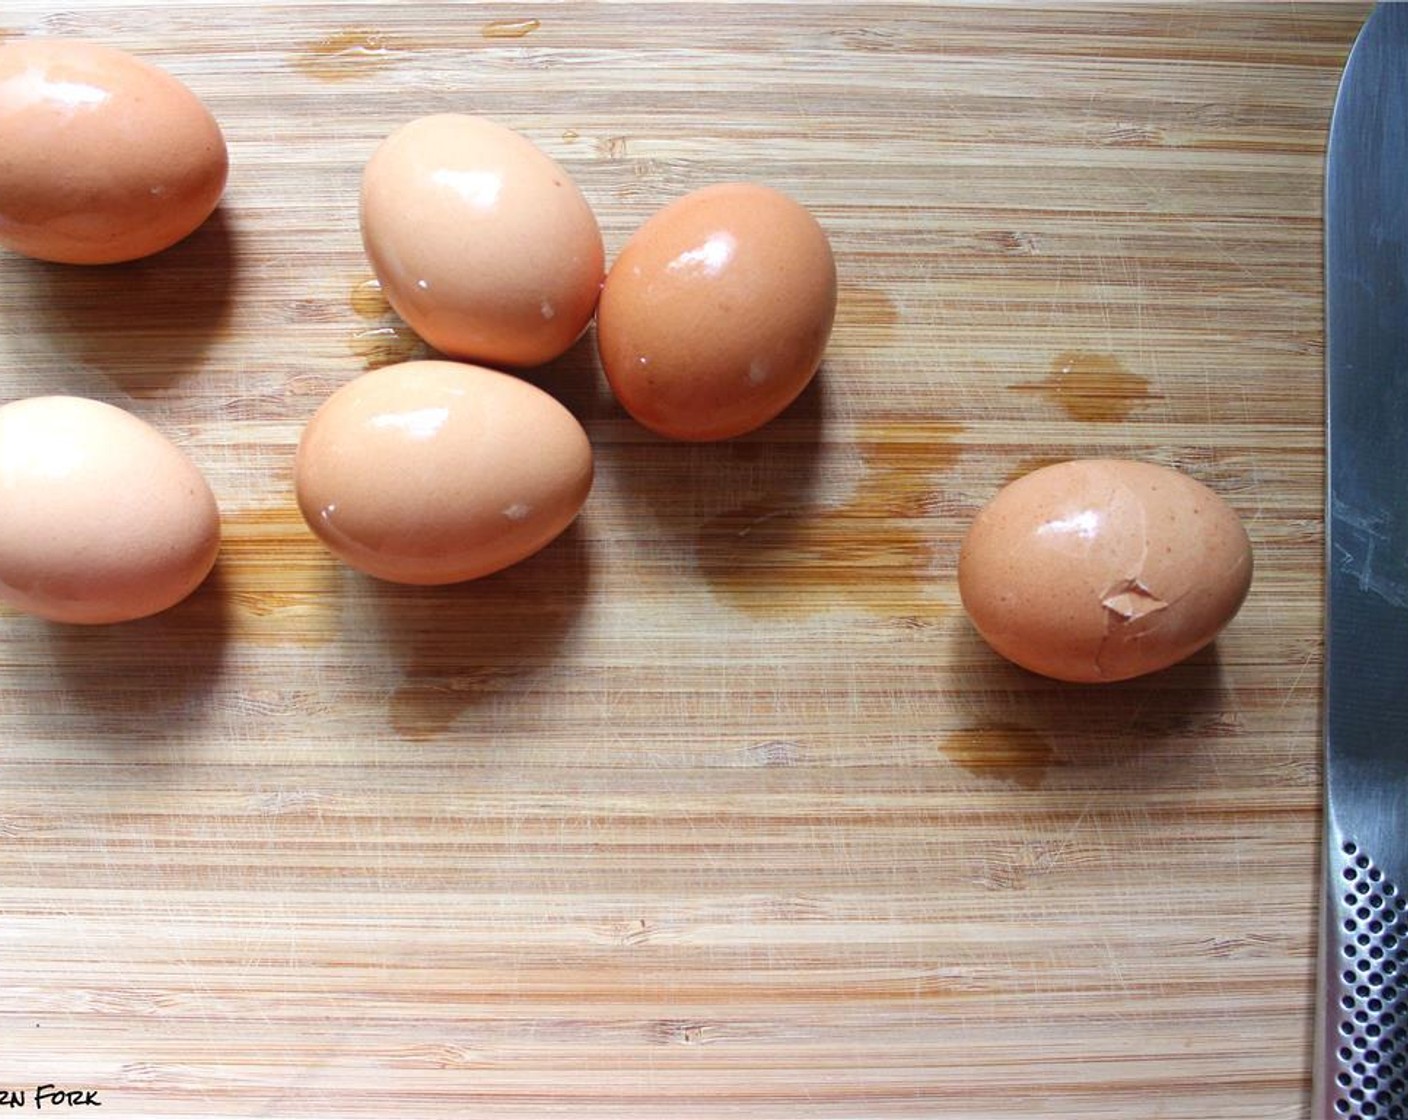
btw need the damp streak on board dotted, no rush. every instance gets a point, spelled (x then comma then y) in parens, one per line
(368, 300)
(353, 52)
(871, 552)
(387, 345)
(1091, 386)
(865, 314)
(1026, 466)
(1020, 756)
(386, 340)
(510, 28)
(282, 584)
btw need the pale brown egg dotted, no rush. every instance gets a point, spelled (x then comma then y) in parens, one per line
(103, 157)
(1103, 569)
(715, 315)
(102, 518)
(482, 244)
(433, 472)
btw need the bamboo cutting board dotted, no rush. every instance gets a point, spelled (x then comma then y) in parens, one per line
(717, 807)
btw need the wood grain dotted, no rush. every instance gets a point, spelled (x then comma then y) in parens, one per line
(717, 807)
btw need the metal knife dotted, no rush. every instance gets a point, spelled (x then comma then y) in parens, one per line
(1361, 1061)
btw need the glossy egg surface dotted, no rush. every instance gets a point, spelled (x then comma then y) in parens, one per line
(481, 242)
(103, 157)
(102, 518)
(715, 315)
(433, 472)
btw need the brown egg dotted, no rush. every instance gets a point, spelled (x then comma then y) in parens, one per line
(103, 158)
(434, 472)
(102, 519)
(715, 315)
(1103, 569)
(482, 244)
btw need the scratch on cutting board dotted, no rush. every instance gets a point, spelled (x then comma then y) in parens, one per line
(1290, 690)
(312, 1075)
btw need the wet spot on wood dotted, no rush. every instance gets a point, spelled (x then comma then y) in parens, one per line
(510, 28)
(872, 552)
(901, 461)
(1092, 386)
(868, 314)
(1008, 753)
(386, 340)
(1024, 467)
(353, 52)
(368, 300)
(387, 345)
(282, 583)
(427, 702)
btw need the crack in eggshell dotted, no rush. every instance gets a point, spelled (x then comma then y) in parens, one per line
(1127, 599)
(1121, 568)
(1132, 600)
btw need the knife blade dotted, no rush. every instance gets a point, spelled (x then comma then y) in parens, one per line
(1361, 1062)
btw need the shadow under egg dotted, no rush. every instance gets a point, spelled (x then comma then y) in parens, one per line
(680, 481)
(576, 380)
(1144, 719)
(788, 552)
(461, 645)
(145, 323)
(145, 681)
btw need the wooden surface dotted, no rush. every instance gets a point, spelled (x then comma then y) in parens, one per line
(717, 807)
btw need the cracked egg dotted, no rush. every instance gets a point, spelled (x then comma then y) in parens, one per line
(1103, 569)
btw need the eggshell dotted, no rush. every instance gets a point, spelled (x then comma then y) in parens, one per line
(715, 315)
(1103, 569)
(482, 244)
(102, 518)
(433, 472)
(103, 157)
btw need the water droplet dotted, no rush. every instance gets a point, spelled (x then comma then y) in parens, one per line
(368, 300)
(351, 53)
(388, 345)
(1091, 386)
(510, 28)
(1005, 752)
